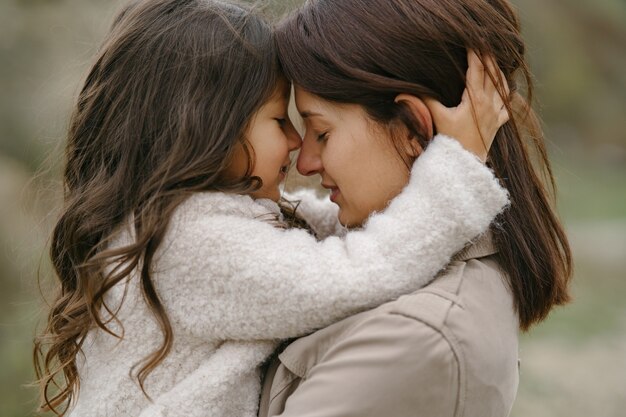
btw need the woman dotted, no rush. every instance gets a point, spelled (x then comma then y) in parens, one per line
(450, 349)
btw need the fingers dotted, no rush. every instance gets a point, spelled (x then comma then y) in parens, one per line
(503, 115)
(485, 75)
(438, 112)
(434, 106)
(465, 98)
(501, 91)
(475, 72)
(507, 89)
(492, 72)
(497, 81)
(492, 86)
(476, 120)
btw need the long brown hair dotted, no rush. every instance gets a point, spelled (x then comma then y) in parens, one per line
(170, 96)
(367, 51)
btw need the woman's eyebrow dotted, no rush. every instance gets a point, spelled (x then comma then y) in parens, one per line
(306, 114)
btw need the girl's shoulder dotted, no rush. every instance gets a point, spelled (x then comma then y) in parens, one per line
(214, 203)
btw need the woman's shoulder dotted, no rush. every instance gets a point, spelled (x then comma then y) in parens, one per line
(459, 332)
(464, 322)
(469, 297)
(469, 305)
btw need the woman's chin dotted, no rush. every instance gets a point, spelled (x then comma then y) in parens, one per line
(347, 220)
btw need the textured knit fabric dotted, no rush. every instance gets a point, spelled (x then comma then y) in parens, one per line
(233, 285)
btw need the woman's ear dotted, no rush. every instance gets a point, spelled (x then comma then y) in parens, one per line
(419, 110)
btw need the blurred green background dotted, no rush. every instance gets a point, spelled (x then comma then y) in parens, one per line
(572, 365)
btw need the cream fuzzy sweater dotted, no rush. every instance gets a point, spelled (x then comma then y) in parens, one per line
(234, 285)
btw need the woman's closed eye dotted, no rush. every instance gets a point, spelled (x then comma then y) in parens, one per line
(323, 137)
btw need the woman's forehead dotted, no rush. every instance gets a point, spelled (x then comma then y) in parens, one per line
(311, 105)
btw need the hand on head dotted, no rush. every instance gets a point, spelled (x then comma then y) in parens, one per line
(482, 111)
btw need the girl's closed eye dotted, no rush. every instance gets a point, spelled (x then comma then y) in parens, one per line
(282, 121)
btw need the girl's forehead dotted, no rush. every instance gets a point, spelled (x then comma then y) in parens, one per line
(281, 91)
(283, 88)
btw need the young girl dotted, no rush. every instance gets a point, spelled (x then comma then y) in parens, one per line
(178, 272)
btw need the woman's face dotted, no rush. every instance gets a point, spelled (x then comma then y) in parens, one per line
(272, 137)
(354, 156)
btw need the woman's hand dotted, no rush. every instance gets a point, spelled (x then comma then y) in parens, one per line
(476, 120)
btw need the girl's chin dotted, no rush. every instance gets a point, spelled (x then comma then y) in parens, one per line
(270, 194)
(274, 195)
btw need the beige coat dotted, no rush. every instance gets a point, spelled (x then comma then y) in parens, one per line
(449, 349)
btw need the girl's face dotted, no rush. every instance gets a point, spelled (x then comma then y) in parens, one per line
(272, 137)
(354, 156)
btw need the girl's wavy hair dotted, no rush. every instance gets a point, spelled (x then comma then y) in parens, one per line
(168, 100)
(367, 51)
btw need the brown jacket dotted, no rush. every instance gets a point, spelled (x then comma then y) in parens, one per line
(449, 349)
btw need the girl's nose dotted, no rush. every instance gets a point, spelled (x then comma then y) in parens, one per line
(309, 160)
(294, 140)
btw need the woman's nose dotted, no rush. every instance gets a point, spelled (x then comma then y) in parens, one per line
(309, 160)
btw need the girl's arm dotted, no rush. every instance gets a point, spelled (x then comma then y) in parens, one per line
(244, 279)
(320, 214)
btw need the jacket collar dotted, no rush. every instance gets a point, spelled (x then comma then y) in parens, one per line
(480, 247)
(303, 353)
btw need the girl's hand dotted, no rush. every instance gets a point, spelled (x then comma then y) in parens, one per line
(476, 120)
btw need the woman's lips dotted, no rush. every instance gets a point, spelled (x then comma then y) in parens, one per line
(334, 191)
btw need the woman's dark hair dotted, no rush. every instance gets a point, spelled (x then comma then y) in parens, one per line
(168, 100)
(367, 51)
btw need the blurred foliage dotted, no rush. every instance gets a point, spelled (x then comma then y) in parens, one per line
(577, 50)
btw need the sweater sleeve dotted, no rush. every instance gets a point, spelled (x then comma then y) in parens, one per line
(243, 279)
(224, 384)
(320, 214)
